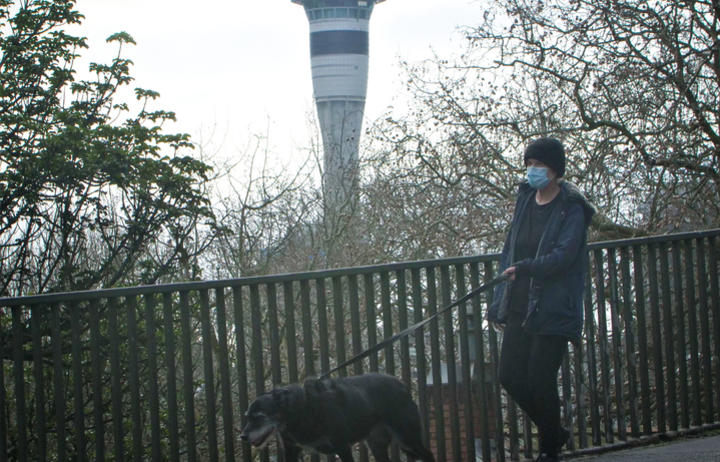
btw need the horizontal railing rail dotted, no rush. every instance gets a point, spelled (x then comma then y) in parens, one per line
(165, 372)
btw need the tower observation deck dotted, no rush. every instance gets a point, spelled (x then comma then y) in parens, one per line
(339, 44)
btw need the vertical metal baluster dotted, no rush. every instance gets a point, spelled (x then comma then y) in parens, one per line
(188, 382)
(715, 308)
(324, 337)
(450, 361)
(468, 411)
(488, 274)
(371, 318)
(134, 351)
(593, 388)
(36, 319)
(224, 362)
(241, 364)
(307, 329)
(77, 374)
(257, 349)
(153, 378)
(209, 376)
(339, 315)
(629, 340)
(172, 403)
(98, 366)
(691, 303)
(389, 353)
(290, 328)
(19, 369)
(356, 338)
(435, 361)
(3, 402)
(58, 381)
(421, 365)
(702, 285)
(273, 324)
(402, 325)
(387, 316)
(603, 344)
(672, 409)
(116, 385)
(618, 365)
(355, 322)
(657, 338)
(643, 357)
(483, 394)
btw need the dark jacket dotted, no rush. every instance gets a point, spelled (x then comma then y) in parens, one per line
(557, 273)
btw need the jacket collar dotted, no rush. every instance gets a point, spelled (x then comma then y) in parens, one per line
(569, 193)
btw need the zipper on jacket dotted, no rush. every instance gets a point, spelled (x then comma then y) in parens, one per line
(537, 254)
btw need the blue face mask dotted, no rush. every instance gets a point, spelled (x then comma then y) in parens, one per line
(538, 177)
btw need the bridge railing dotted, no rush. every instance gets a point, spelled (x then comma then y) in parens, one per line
(165, 372)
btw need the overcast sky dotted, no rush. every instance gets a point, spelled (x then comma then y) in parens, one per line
(230, 68)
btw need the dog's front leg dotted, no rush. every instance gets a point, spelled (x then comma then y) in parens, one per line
(290, 451)
(345, 454)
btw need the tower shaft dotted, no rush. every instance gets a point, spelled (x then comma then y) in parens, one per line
(339, 44)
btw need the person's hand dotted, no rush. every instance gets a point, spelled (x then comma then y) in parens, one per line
(510, 272)
(497, 326)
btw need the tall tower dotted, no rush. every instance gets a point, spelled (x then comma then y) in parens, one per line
(339, 58)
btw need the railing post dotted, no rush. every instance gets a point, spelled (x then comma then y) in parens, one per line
(170, 352)
(436, 365)
(37, 313)
(715, 308)
(188, 385)
(618, 366)
(116, 371)
(702, 286)
(153, 378)
(224, 361)
(481, 381)
(602, 342)
(669, 338)
(209, 376)
(691, 303)
(59, 382)
(19, 367)
(488, 274)
(630, 347)
(98, 366)
(3, 404)
(241, 364)
(468, 410)
(416, 283)
(643, 357)
(273, 324)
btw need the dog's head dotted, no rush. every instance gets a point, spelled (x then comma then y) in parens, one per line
(267, 414)
(262, 420)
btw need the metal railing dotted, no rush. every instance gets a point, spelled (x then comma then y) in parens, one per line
(165, 372)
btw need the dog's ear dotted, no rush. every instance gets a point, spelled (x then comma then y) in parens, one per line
(287, 400)
(279, 396)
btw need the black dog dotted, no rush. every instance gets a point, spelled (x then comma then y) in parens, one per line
(329, 415)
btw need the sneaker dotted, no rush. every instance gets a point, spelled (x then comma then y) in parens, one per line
(545, 457)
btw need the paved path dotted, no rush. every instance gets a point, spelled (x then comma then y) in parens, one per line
(700, 449)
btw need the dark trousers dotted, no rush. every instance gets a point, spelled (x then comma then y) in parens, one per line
(529, 366)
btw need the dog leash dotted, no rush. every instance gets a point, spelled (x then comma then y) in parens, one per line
(404, 333)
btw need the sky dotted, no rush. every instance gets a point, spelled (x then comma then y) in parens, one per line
(234, 69)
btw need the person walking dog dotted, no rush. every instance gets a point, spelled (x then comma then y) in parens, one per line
(540, 306)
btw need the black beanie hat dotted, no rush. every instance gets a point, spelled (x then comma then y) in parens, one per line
(549, 151)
